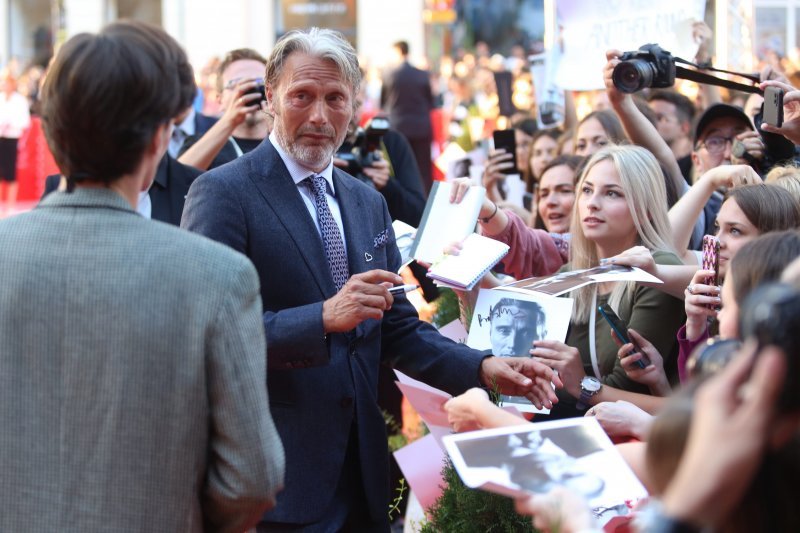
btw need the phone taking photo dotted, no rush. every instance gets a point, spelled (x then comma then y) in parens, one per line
(773, 107)
(711, 258)
(620, 328)
(505, 139)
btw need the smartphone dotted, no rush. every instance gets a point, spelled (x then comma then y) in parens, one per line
(711, 258)
(259, 89)
(773, 106)
(505, 139)
(621, 329)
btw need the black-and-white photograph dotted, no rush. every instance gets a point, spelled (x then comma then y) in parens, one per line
(535, 458)
(564, 282)
(507, 323)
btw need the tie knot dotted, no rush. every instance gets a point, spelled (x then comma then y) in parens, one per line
(317, 184)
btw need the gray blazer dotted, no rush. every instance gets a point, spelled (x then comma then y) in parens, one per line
(132, 375)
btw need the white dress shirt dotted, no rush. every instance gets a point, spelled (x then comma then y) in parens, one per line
(298, 173)
(180, 132)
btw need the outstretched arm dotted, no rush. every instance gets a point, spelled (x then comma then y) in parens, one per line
(638, 129)
(684, 213)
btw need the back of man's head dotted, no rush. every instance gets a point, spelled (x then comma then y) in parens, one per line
(402, 47)
(106, 95)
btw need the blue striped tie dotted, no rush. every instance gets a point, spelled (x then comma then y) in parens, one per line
(331, 237)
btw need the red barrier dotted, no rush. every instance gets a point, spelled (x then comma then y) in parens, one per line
(34, 162)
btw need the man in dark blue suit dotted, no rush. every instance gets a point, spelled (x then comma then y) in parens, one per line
(407, 97)
(324, 249)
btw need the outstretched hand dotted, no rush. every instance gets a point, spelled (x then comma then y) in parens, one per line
(521, 376)
(791, 111)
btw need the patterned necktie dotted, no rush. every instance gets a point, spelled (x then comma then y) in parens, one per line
(331, 237)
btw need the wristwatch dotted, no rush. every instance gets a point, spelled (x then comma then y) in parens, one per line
(589, 387)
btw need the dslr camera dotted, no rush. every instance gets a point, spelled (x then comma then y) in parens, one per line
(365, 149)
(649, 66)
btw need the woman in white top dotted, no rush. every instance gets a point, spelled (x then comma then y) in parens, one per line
(14, 119)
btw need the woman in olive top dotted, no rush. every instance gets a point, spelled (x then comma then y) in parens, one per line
(621, 202)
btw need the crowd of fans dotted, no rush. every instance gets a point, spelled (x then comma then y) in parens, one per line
(634, 180)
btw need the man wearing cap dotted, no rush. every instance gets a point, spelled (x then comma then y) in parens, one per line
(724, 135)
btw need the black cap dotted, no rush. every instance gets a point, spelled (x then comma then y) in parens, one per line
(718, 111)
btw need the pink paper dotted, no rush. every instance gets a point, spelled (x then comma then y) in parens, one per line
(421, 463)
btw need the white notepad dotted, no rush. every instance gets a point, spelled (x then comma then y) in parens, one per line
(444, 223)
(478, 255)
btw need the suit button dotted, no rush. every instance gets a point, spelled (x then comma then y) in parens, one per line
(353, 351)
(346, 402)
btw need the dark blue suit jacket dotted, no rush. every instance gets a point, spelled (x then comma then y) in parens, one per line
(320, 385)
(167, 194)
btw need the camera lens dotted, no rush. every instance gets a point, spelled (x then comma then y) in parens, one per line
(633, 75)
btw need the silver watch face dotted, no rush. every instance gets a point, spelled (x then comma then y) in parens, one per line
(590, 384)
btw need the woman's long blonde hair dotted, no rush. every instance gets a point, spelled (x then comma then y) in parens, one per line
(645, 193)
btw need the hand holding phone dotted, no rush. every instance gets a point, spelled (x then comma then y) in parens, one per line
(773, 106)
(711, 261)
(505, 139)
(620, 328)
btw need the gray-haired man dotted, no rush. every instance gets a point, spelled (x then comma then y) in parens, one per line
(323, 246)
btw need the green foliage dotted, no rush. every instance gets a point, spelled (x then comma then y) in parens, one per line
(463, 510)
(447, 308)
(394, 506)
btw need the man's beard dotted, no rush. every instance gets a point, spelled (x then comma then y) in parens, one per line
(312, 157)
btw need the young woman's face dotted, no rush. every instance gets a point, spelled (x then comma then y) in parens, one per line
(523, 144)
(556, 198)
(734, 230)
(603, 211)
(591, 137)
(728, 316)
(542, 152)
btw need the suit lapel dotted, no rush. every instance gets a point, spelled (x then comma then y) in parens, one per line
(276, 186)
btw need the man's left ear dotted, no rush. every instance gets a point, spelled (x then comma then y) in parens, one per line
(270, 102)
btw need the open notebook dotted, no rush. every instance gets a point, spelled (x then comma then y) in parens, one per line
(444, 222)
(478, 255)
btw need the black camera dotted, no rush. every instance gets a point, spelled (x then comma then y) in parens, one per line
(771, 315)
(365, 149)
(649, 66)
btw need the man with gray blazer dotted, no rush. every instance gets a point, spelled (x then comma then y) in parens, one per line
(132, 375)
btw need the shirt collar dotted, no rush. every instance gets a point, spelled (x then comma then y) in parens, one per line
(297, 171)
(188, 124)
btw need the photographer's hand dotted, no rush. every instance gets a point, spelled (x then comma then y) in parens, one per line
(753, 147)
(791, 111)
(702, 35)
(378, 172)
(615, 97)
(499, 160)
(241, 104)
(202, 153)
